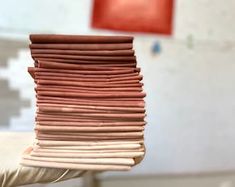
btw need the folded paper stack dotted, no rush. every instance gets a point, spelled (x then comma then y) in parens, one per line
(90, 106)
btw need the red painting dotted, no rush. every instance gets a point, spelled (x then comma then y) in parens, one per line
(152, 16)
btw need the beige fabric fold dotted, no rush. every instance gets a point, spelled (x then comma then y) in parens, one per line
(13, 174)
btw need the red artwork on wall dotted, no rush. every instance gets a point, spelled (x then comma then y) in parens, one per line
(152, 16)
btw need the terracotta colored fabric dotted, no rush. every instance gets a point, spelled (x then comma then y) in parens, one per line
(85, 61)
(117, 46)
(89, 95)
(98, 78)
(89, 124)
(129, 52)
(126, 71)
(135, 79)
(87, 84)
(92, 58)
(59, 38)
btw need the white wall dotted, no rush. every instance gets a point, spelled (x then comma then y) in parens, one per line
(190, 84)
(190, 107)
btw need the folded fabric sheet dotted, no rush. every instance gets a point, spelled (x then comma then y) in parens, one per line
(51, 38)
(129, 52)
(82, 57)
(85, 47)
(90, 103)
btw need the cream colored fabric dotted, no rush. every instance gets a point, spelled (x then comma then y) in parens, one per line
(13, 174)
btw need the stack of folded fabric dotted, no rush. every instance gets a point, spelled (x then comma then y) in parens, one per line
(90, 107)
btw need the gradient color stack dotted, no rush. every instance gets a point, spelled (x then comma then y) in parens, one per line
(90, 106)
